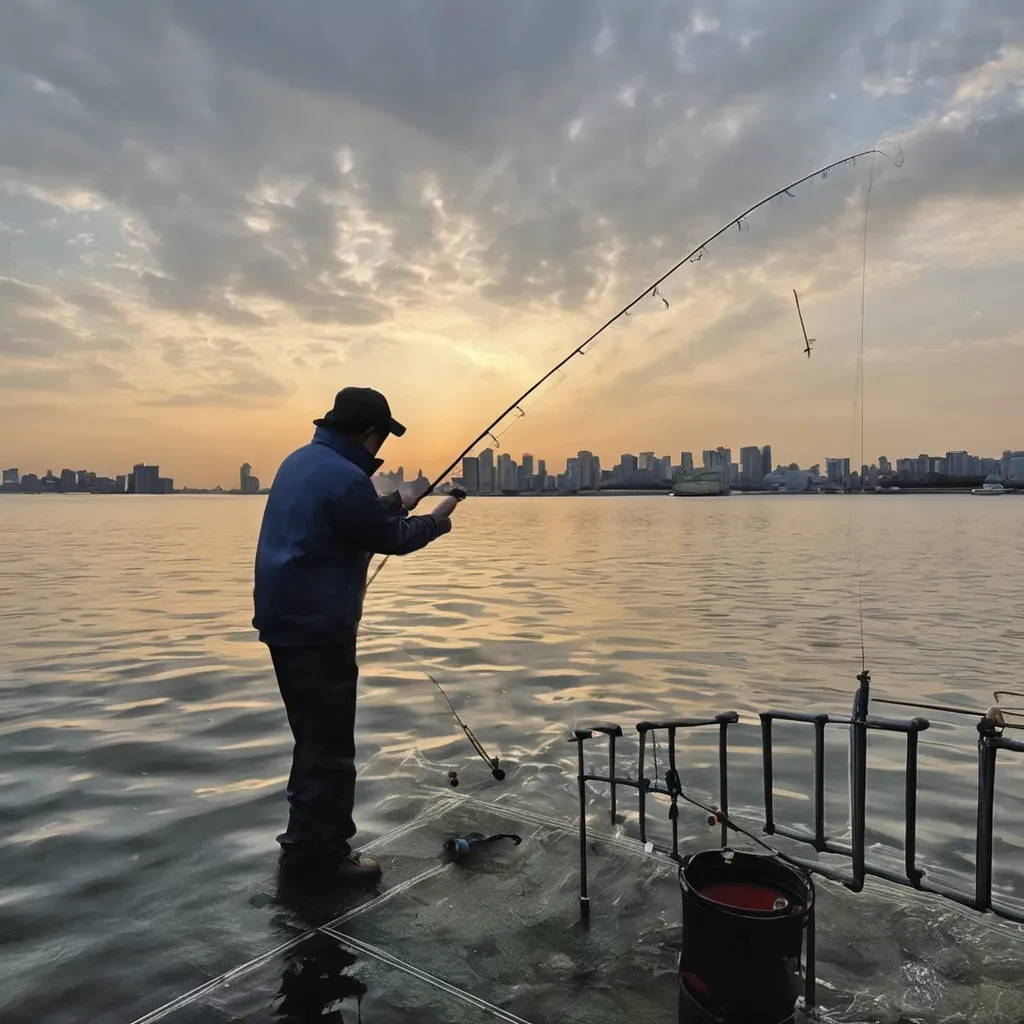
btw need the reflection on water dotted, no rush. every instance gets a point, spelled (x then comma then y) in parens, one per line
(144, 749)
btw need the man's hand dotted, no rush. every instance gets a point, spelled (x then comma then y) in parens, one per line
(410, 499)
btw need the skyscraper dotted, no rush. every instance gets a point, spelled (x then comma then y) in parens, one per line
(686, 462)
(646, 460)
(487, 471)
(527, 465)
(243, 477)
(766, 461)
(471, 474)
(751, 466)
(589, 477)
(507, 477)
(630, 464)
(147, 479)
(573, 474)
(956, 463)
(663, 467)
(542, 475)
(11, 477)
(884, 465)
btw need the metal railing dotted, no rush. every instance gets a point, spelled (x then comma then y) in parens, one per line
(990, 726)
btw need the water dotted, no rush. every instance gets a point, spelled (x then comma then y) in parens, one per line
(144, 749)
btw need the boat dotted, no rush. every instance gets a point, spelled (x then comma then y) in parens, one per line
(992, 486)
(700, 484)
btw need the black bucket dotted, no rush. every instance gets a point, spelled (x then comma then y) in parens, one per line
(744, 916)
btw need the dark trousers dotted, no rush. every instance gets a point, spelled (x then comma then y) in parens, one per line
(318, 686)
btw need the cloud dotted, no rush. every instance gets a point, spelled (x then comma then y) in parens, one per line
(213, 194)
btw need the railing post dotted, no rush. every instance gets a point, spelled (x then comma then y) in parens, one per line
(641, 778)
(987, 752)
(858, 782)
(581, 781)
(672, 784)
(914, 873)
(769, 782)
(811, 963)
(723, 777)
(611, 772)
(819, 782)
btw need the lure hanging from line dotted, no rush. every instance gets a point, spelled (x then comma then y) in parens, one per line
(808, 342)
(740, 223)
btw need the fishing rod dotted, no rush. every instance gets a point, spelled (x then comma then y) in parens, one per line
(492, 762)
(694, 255)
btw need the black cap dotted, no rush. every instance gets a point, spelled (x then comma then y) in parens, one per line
(361, 409)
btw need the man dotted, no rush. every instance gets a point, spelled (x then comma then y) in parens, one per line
(322, 522)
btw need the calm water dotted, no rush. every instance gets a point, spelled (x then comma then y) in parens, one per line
(144, 749)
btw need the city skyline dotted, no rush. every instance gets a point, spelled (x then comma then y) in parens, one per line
(485, 474)
(494, 471)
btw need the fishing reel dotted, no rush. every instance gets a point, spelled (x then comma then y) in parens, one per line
(459, 847)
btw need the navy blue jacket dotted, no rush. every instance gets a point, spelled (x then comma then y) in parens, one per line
(322, 522)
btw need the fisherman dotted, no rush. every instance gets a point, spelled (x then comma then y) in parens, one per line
(322, 523)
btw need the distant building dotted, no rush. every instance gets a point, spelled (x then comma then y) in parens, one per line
(542, 475)
(751, 466)
(164, 485)
(30, 482)
(10, 478)
(630, 464)
(837, 470)
(766, 460)
(527, 465)
(574, 475)
(924, 465)
(884, 466)
(590, 474)
(248, 483)
(686, 462)
(646, 460)
(957, 463)
(486, 471)
(1016, 466)
(146, 479)
(471, 474)
(121, 484)
(508, 479)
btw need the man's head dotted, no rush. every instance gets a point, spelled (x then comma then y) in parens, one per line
(364, 415)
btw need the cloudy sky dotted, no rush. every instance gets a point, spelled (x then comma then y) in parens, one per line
(215, 214)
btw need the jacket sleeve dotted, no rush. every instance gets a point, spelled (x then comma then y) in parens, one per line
(393, 503)
(361, 517)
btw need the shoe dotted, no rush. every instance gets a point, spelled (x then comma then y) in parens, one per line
(351, 870)
(356, 870)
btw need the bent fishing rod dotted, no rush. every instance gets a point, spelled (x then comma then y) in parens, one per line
(651, 290)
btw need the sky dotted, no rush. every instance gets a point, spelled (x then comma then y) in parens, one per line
(215, 215)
